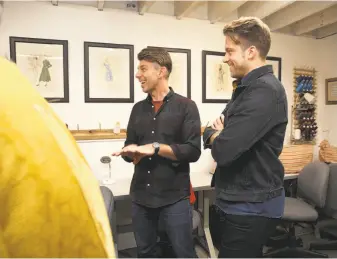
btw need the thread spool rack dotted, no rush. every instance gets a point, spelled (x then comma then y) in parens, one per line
(304, 109)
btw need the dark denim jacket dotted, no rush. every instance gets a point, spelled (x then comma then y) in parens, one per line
(247, 150)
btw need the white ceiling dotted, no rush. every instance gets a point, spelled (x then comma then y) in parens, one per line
(317, 19)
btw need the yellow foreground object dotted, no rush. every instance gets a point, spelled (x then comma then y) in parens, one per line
(50, 202)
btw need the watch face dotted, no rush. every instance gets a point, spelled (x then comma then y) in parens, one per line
(156, 145)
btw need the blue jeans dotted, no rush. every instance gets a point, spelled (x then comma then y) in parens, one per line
(177, 222)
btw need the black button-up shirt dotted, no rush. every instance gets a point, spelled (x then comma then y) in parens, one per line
(159, 181)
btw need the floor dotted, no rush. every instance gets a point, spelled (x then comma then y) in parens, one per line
(132, 253)
(304, 232)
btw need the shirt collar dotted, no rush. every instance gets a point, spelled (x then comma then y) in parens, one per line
(167, 97)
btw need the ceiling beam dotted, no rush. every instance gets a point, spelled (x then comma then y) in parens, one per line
(326, 31)
(183, 8)
(262, 9)
(55, 2)
(218, 10)
(144, 6)
(100, 5)
(319, 20)
(295, 12)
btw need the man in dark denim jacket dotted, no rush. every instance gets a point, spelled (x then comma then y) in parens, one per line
(246, 142)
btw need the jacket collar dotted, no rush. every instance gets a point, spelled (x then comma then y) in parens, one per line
(255, 74)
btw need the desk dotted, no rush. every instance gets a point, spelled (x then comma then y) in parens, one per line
(201, 182)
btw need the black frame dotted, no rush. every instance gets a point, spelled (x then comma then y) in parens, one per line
(184, 51)
(217, 53)
(327, 81)
(87, 98)
(279, 65)
(12, 43)
(205, 53)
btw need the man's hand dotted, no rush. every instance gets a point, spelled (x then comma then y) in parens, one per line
(143, 151)
(126, 151)
(218, 124)
(136, 152)
(146, 150)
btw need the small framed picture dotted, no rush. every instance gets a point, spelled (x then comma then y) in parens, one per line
(108, 73)
(217, 83)
(180, 78)
(45, 63)
(331, 91)
(277, 65)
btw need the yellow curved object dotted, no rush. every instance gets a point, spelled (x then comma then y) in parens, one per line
(50, 201)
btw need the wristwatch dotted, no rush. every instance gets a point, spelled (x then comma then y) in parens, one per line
(156, 146)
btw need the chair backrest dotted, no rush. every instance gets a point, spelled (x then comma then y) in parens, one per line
(109, 203)
(330, 208)
(312, 183)
(108, 200)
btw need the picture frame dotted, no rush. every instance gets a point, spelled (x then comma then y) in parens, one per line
(108, 73)
(180, 77)
(276, 62)
(45, 64)
(331, 91)
(216, 79)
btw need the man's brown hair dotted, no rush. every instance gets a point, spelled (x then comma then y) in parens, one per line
(157, 55)
(248, 31)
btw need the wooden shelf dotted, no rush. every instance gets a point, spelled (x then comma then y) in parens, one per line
(96, 134)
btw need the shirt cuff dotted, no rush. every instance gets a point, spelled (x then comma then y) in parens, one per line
(208, 132)
(176, 151)
(127, 159)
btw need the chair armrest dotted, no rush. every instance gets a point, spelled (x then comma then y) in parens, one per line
(323, 245)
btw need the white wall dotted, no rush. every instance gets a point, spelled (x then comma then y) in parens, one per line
(78, 24)
(328, 65)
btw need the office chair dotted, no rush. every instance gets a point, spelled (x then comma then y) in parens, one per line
(328, 225)
(311, 193)
(109, 203)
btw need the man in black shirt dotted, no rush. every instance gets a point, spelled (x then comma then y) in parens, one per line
(246, 142)
(163, 138)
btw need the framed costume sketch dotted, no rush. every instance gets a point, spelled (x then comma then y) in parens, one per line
(216, 79)
(276, 62)
(180, 77)
(45, 63)
(108, 73)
